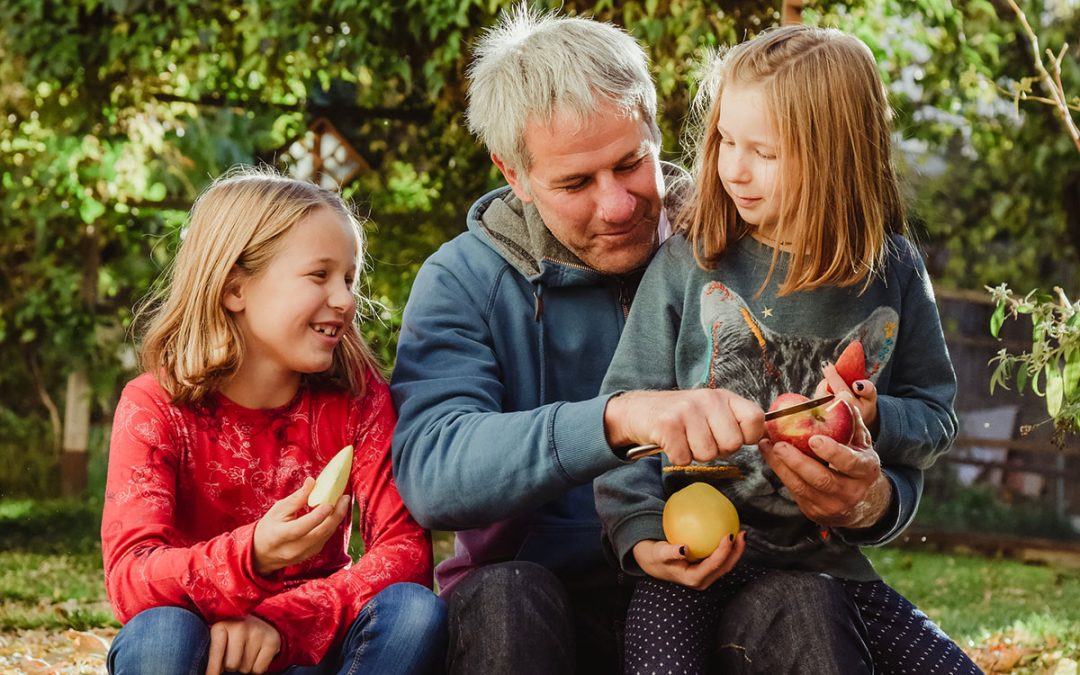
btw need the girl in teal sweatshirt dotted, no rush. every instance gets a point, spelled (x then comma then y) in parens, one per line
(791, 248)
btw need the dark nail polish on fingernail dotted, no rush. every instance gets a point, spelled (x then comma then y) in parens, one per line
(682, 551)
(731, 538)
(859, 386)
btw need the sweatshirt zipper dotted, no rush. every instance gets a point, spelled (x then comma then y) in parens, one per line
(624, 295)
(625, 298)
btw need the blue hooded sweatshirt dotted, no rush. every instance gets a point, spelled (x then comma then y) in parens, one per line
(505, 340)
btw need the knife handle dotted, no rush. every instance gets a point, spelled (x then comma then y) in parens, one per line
(639, 451)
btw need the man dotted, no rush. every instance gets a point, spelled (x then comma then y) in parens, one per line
(507, 336)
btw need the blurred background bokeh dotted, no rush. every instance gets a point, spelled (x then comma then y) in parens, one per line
(116, 113)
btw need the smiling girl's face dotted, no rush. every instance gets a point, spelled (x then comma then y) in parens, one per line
(292, 314)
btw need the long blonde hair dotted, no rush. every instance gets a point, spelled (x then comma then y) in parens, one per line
(192, 343)
(840, 196)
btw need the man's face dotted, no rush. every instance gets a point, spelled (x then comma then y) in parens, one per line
(596, 185)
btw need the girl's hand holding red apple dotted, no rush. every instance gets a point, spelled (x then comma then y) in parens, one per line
(669, 562)
(845, 489)
(283, 538)
(863, 392)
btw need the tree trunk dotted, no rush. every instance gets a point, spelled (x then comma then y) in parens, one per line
(73, 455)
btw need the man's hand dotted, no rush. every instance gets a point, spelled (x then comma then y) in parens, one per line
(697, 424)
(283, 538)
(849, 491)
(662, 560)
(248, 645)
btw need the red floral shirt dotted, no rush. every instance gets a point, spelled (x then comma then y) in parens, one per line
(187, 485)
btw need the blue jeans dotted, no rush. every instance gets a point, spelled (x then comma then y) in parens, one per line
(520, 618)
(400, 630)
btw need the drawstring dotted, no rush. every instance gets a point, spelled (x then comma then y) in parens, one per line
(538, 314)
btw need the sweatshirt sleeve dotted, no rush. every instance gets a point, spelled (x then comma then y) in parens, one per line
(450, 449)
(317, 614)
(630, 499)
(916, 416)
(146, 564)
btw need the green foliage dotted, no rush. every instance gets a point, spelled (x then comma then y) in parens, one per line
(51, 526)
(114, 115)
(992, 184)
(50, 565)
(27, 461)
(979, 508)
(1052, 368)
(52, 591)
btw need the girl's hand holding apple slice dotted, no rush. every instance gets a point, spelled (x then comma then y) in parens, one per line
(283, 537)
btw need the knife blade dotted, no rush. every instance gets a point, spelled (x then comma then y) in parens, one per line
(799, 407)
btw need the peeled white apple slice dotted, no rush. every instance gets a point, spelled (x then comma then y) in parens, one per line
(331, 482)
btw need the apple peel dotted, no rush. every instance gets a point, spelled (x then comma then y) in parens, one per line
(330, 484)
(851, 366)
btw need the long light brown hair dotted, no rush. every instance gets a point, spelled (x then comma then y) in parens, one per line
(839, 195)
(192, 343)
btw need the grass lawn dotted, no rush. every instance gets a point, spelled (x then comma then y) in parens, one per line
(1010, 616)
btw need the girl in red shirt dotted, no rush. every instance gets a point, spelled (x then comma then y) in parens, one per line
(255, 376)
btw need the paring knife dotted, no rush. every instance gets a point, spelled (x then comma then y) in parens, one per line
(799, 407)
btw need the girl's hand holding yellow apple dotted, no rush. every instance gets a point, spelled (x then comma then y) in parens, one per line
(699, 516)
(704, 542)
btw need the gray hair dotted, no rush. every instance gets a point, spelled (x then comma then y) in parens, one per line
(533, 65)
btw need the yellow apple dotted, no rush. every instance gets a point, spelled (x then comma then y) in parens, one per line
(699, 517)
(331, 481)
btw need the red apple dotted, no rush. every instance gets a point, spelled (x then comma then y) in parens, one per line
(851, 365)
(833, 419)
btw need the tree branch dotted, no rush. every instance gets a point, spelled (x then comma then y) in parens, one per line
(1051, 82)
(46, 399)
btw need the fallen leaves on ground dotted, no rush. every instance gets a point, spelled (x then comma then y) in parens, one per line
(44, 652)
(72, 652)
(1016, 652)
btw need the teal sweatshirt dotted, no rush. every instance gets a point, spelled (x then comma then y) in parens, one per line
(694, 328)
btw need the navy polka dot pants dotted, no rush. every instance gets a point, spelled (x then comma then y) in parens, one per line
(671, 629)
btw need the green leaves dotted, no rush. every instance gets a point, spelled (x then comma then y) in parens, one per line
(90, 210)
(1053, 363)
(997, 318)
(1055, 389)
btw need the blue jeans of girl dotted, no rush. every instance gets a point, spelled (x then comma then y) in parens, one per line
(401, 630)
